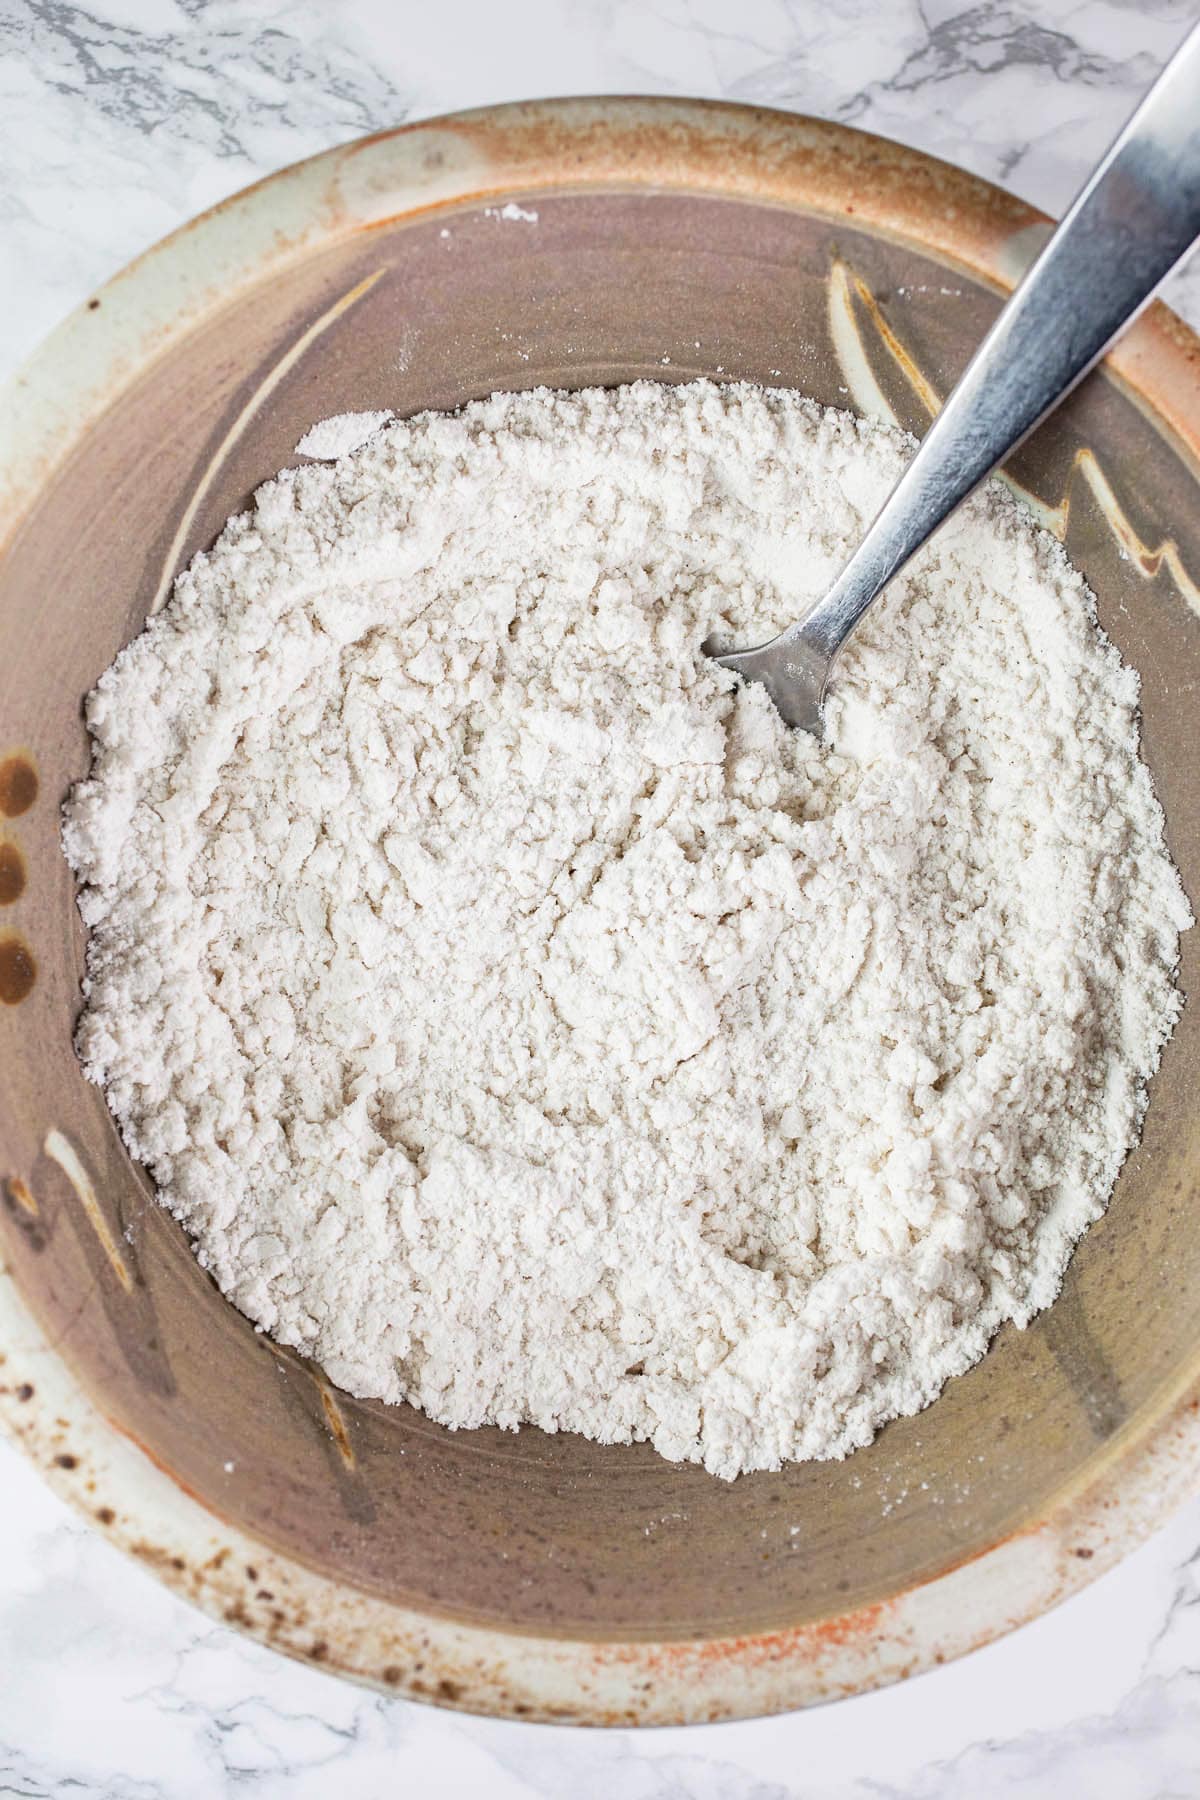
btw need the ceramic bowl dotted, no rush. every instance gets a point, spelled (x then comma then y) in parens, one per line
(522, 1574)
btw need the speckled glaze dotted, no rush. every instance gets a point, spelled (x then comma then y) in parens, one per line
(546, 1577)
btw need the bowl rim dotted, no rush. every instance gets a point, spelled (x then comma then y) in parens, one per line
(520, 150)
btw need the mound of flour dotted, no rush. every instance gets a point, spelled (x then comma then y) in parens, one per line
(525, 1024)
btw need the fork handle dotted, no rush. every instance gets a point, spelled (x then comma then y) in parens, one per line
(1132, 222)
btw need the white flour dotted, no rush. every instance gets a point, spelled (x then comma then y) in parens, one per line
(330, 438)
(525, 1024)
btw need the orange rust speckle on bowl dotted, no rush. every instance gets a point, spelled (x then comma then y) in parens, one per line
(105, 1514)
(864, 1623)
(157, 1557)
(18, 784)
(12, 873)
(24, 1391)
(319, 1651)
(675, 1660)
(66, 1460)
(18, 969)
(392, 1675)
(20, 1195)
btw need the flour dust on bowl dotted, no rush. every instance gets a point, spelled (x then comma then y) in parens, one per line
(574, 246)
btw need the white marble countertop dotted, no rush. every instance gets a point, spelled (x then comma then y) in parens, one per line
(119, 119)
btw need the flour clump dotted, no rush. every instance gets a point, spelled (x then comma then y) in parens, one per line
(524, 1023)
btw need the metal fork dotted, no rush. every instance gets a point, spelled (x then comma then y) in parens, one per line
(1137, 216)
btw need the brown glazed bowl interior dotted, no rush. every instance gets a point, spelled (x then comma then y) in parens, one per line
(538, 1576)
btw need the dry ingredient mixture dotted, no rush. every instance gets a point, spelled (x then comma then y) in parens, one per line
(524, 1023)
